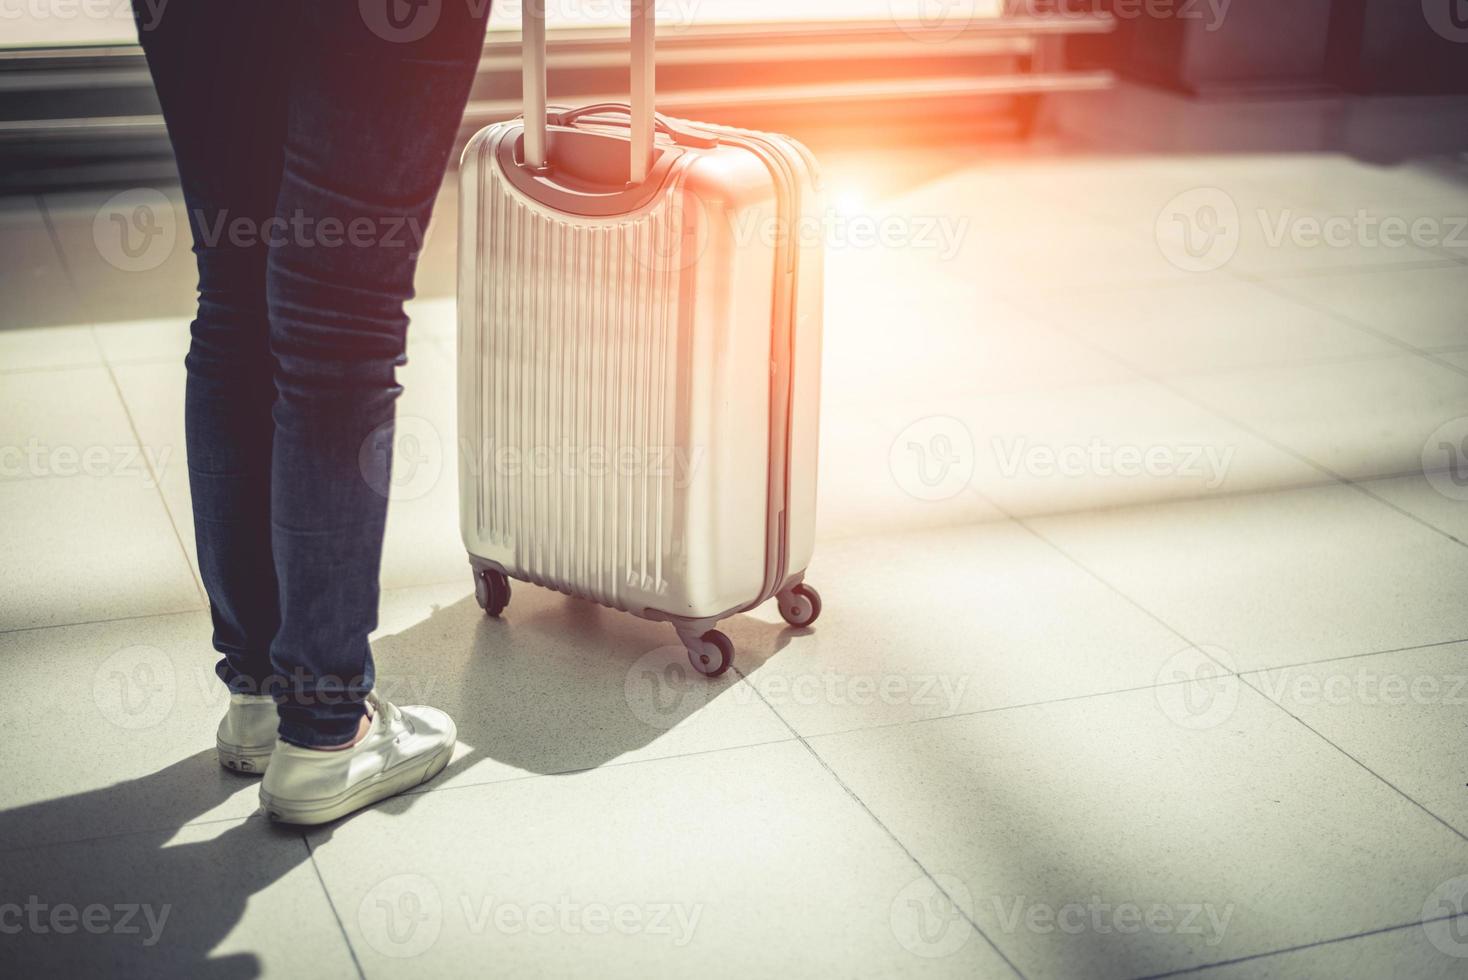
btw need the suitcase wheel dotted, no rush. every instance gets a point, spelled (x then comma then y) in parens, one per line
(713, 654)
(800, 606)
(491, 591)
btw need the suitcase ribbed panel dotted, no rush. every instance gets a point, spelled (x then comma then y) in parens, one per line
(574, 364)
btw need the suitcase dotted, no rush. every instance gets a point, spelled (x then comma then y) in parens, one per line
(639, 358)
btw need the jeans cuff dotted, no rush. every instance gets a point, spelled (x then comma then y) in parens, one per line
(326, 735)
(239, 683)
(320, 726)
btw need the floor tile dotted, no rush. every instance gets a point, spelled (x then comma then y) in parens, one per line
(974, 371)
(1038, 452)
(142, 697)
(89, 549)
(1341, 182)
(557, 685)
(211, 901)
(154, 395)
(1102, 838)
(884, 474)
(867, 347)
(1257, 214)
(1203, 327)
(438, 264)
(32, 278)
(1007, 231)
(1297, 238)
(436, 317)
(546, 886)
(1457, 358)
(927, 624)
(1438, 500)
(1404, 715)
(68, 424)
(1084, 254)
(142, 694)
(39, 348)
(1421, 307)
(1406, 952)
(165, 339)
(127, 250)
(1280, 578)
(1134, 189)
(1360, 419)
(423, 543)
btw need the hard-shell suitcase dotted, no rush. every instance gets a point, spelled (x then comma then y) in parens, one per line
(639, 358)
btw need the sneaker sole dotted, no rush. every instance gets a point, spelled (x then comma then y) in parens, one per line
(252, 761)
(406, 775)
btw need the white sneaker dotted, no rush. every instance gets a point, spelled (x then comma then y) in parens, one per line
(403, 748)
(247, 733)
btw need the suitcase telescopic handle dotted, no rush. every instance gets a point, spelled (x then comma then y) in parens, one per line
(532, 39)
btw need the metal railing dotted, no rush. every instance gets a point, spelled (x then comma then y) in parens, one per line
(87, 115)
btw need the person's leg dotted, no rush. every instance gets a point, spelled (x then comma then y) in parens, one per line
(373, 110)
(221, 83)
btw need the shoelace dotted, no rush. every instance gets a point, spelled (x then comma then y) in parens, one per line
(391, 716)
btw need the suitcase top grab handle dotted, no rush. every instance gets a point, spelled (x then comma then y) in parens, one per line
(532, 35)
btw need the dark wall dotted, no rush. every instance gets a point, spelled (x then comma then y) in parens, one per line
(1387, 46)
(1400, 46)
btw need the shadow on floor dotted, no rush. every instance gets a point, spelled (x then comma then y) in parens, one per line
(150, 903)
(557, 686)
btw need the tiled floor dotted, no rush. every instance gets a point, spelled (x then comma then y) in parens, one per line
(1143, 648)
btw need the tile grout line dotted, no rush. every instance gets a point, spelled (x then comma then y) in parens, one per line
(1106, 288)
(1229, 670)
(1355, 656)
(1266, 285)
(420, 790)
(1067, 699)
(1345, 480)
(331, 904)
(907, 722)
(581, 770)
(149, 361)
(195, 609)
(117, 388)
(100, 622)
(883, 826)
(1251, 430)
(1242, 680)
(1366, 328)
(51, 233)
(99, 838)
(157, 479)
(1295, 949)
(1311, 728)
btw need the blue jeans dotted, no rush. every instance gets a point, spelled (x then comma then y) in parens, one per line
(311, 140)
